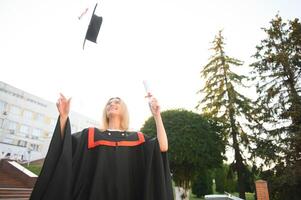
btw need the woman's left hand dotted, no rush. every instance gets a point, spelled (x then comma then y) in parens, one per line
(161, 133)
(155, 107)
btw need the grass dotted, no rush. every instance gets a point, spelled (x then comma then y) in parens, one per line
(36, 169)
(193, 197)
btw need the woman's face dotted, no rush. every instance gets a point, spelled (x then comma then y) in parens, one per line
(113, 107)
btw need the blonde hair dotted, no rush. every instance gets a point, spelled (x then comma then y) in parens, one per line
(124, 125)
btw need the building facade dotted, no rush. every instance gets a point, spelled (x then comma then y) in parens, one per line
(27, 123)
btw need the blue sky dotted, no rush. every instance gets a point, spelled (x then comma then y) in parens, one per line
(163, 41)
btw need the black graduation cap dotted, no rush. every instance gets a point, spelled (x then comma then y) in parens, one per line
(93, 28)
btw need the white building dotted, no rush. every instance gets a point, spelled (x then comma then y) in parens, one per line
(27, 123)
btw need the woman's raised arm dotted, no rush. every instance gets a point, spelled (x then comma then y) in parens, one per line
(63, 106)
(161, 133)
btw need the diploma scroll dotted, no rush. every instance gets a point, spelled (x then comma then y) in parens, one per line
(148, 93)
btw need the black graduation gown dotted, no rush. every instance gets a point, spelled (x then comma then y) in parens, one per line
(95, 165)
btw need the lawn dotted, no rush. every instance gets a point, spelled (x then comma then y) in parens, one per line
(36, 169)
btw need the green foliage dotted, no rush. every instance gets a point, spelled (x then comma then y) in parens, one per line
(277, 71)
(194, 144)
(224, 103)
(225, 179)
(281, 183)
(202, 184)
(36, 169)
(220, 179)
(250, 178)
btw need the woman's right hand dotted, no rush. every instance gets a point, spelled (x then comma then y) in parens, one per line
(63, 106)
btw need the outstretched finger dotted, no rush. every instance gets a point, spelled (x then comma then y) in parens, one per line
(62, 96)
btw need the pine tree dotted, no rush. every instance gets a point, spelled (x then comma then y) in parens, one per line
(224, 103)
(277, 71)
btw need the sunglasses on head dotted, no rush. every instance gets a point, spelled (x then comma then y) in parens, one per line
(116, 99)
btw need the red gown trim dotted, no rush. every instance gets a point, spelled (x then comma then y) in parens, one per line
(92, 143)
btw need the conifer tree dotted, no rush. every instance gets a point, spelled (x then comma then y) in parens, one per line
(226, 104)
(277, 72)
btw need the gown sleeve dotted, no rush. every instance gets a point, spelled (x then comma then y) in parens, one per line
(54, 181)
(158, 184)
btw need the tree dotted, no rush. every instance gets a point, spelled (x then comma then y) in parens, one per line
(220, 177)
(277, 71)
(194, 144)
(225, 179)
(224, 103)
(202, 184)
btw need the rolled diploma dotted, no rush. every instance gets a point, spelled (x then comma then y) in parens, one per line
(147, 90)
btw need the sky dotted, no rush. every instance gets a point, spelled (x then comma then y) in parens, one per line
(165, 42)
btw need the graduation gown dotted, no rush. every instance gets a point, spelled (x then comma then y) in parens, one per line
(103, 165)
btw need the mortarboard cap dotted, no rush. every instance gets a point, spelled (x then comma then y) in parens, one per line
(93, 28)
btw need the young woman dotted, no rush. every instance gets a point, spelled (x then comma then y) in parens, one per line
(111, 163)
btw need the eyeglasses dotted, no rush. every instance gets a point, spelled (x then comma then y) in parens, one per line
(114, 99)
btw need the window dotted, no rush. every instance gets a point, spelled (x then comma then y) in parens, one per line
(15, 110)
(24, 129)
(34, 147)
(5, 124)
(36, 133)
(2, 106)
(39, 117)
(22, 143)
(27, 114)
(12, 126)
